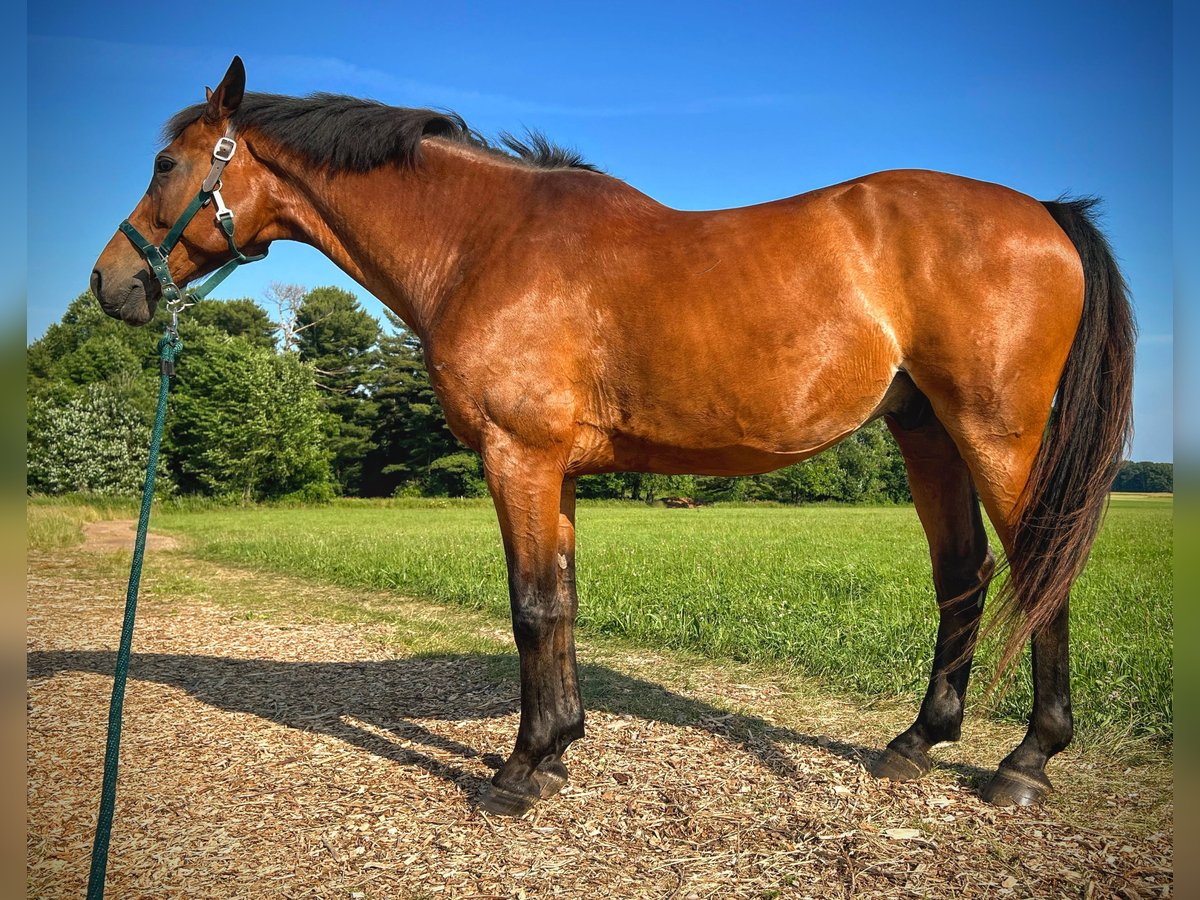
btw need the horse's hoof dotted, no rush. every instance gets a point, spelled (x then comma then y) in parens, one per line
(550, 778)
(502, 802)
(896, 766)
(1010, 787)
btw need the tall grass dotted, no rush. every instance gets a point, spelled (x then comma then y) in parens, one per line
(843, 593)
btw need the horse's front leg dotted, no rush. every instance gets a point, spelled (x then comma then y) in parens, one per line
(536, 508)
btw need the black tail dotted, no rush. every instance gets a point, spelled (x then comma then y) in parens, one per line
(1085, 441)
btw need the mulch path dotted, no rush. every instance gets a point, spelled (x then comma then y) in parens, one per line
(275, 758)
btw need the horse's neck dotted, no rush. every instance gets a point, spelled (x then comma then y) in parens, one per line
(408, 235)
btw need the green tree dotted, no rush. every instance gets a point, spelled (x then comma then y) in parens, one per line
(866, 459)
(865, 467)
(814, 480)
(88, 347)
(82, 321)
(1159, 477)
(246, 422)
(410, 432)
(237, 318)
(338, 339)
(655, 487)
(456, 475)
(606, 486)
(1147, 477)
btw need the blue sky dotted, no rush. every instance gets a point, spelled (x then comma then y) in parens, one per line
(701, 105)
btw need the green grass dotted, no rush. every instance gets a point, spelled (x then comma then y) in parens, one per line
(55, 524)
(841, 593)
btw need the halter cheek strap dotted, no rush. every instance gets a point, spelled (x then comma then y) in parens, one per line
(157, 255)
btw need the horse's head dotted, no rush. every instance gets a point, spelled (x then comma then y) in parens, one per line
(172, 237)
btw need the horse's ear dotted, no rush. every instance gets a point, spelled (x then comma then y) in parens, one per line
(228, 95)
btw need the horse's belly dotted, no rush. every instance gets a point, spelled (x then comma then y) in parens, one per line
(639, 456)
(743, 427)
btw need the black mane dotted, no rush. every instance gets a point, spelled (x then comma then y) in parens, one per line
(350, 134)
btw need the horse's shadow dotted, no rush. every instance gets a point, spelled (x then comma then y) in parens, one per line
(387, 695)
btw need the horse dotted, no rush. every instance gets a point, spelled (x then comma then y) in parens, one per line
(573, 325)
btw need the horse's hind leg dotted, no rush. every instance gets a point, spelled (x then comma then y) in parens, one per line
(1001, 467)
(1021, 779)
(949, 511)
(536, 508)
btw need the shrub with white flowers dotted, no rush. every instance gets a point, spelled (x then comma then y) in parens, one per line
(92, 442)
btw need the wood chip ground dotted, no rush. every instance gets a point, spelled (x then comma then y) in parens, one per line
(276, 757)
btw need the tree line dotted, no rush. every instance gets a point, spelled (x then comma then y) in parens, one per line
(1145, 477)
(322, 400)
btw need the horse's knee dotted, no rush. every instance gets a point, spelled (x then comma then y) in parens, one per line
(536, 618)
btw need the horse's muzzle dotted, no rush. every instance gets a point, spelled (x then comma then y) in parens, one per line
(132, 300)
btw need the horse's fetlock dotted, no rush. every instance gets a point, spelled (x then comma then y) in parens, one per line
(1055, 728)
(941, 712)
(572, 729)
(944, 725)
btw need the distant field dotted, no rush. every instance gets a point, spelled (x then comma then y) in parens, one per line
(843, 593)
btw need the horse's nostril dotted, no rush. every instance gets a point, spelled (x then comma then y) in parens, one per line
(96, 283)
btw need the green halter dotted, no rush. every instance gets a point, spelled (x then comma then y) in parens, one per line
(156, 255)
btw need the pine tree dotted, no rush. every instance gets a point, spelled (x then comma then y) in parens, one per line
(338, 338)
(410, 431)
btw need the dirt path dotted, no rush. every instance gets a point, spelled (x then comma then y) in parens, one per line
(277, 756)
(115, 535)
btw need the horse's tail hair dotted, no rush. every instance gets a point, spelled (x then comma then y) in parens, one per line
(1085, 441)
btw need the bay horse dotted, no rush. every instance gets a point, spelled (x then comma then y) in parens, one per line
(573, 325)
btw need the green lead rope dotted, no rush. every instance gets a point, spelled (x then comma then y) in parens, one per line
(168, 349)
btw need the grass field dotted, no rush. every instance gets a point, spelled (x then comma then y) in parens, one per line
(843, 593)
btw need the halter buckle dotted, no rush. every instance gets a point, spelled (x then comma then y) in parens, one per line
(223, 151)
(223, 211)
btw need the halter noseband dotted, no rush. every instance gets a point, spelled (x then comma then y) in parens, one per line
(156, 256)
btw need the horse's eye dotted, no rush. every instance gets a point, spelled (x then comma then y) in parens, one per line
(163, 165)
